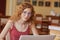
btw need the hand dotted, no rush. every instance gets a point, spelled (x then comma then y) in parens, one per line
(1, 39)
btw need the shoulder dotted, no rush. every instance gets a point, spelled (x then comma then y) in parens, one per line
(32, 24)
(9, 22)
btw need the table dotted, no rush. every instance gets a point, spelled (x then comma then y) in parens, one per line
(55, 30)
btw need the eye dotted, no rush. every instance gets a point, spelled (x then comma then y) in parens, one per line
(29, 13)
(24, 12)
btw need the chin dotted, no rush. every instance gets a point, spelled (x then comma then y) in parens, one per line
(25, 19)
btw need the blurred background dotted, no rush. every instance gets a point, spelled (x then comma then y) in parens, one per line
(47, 18)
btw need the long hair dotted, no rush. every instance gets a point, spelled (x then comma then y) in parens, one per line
(20, 8)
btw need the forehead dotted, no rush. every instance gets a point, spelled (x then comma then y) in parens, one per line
(27, 9)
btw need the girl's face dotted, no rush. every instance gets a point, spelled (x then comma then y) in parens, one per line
(26, 14)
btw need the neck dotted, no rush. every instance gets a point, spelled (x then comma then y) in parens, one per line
(21, 21)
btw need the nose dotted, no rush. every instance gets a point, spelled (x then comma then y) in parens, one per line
(26, 15)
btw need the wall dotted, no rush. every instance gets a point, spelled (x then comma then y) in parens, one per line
(10, 7)
(46, 10)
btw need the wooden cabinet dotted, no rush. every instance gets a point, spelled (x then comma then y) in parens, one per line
(42, 25)
(43, 29)
(55, 20)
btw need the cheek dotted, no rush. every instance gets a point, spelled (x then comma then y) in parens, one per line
(28, 17)
(22, 15)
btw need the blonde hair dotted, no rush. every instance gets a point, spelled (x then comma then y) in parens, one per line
(21, 7)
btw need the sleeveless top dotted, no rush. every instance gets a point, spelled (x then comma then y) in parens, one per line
(15, 34)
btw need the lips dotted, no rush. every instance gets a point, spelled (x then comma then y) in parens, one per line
(26, 18)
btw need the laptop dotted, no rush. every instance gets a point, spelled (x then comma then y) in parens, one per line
(37, 37)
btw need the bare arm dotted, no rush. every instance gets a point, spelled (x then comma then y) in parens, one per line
(5, 30)
(34, 30)
(8, 36)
